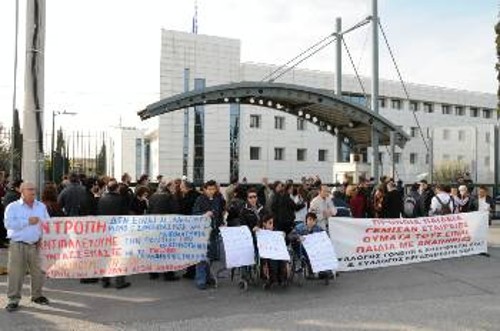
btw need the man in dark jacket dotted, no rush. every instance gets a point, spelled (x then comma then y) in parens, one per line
(189, 196)
(73, 199)
(212, 204)
(426, 195)
(12, 194)
(392, 203)
(111, 203)
(160, 203)
(283, 209)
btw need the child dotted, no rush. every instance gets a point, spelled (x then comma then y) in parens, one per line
(273, 271)
(311, 226)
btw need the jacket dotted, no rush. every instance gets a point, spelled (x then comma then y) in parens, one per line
(112, 203)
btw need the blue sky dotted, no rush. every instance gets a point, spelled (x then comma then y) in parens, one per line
(102, 57)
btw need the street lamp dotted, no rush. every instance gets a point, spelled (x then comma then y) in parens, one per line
(54, 114)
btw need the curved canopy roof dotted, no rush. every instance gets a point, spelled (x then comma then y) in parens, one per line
(321, 107)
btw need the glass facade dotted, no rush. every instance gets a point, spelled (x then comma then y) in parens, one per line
(234, 139)
(199, 137)
(138, 157)
(185, 142)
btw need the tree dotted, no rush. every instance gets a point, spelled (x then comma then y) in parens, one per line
(5, 153)
(449, 171)
(101, 161)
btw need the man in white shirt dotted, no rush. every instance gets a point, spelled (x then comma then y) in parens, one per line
(323, 207)
(484, 202)
(23, 219)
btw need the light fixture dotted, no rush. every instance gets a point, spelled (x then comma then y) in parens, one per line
(308, 116)
(269, 103)
(336, 130)
(237, 100)
(278, 106)
(226, 99)
(261, 102)
(329, 127)
(315, 119)
(301, 113)
(351, 124)
(252, 100)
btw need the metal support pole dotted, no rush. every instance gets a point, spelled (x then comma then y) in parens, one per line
(392, 137)
(13, 137)
(431, 157)
(53, 172)
(338, 57)
(32, 161)
(374, 94)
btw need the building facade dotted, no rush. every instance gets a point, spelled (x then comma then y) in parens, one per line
(217, 142)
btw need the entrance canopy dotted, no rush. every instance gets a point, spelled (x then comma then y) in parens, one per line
(321, 107)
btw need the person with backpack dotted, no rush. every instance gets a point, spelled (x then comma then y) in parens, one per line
(442, 203)
(410, 202)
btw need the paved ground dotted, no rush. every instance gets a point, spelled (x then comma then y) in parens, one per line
(455, 294)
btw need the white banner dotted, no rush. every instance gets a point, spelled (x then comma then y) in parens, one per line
(103, 246)
(321, 252)
(238, 245)
(272, 245)
(372, 243)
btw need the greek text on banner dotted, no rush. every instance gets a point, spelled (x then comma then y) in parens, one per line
(372, 243)
(103, 246)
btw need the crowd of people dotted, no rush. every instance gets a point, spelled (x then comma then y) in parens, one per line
(289, 206)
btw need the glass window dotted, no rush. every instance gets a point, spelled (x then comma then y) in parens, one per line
(397, 157)
(427, 158)
(413, 158)
(381, 157)
(487, 137)
(255, 121)
(487, 113)
(413, 131)
(474, 112)
(459, 111)
(396, 104)
(428, 107)
(414, 105)
(382, 102)
(301, 124)
(446, 109)
(301, 154)
(461, 135)
(322, 155)
(279, 154)
(487, 161)
(254, 153)
(279, 122)
(446, 134)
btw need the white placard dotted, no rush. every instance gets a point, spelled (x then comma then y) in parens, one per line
(272, 245)
(238, 245)
(321, 253)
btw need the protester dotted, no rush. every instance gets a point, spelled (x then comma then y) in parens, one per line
(392, 205)
(189, 196)
(49, 199)
(358, 204)
(484, 202)
(139, 203)
(378, 201)
(464, 200)
(426, 195)
(23, 219)
(442, 203)
(299, 197)
(323, 207)
(112, 203)
(73, 197)
(283, 208)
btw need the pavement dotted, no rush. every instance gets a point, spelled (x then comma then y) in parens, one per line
(453, 294)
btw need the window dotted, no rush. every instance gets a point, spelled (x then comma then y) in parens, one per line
(254, 153)
(446, 109)
(427, 158)
(413, 158)
(487, 138)
(382, 102)
(255, 121)
(413, 131)
(446, 157)
(428, 107)
(446, 134)
(397, 157)
(414, 105)
(459, 111)
(322, 155)
(487, 161)
(474, 112)
(461, 135)
(279, 122)
(396, 104)
(460, 158)
(381, 157)
(279, 154)
(301, 154)
(301, 124)
(487, 113)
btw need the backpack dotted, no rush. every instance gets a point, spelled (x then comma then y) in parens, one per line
(445, 207)
(409, 204)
